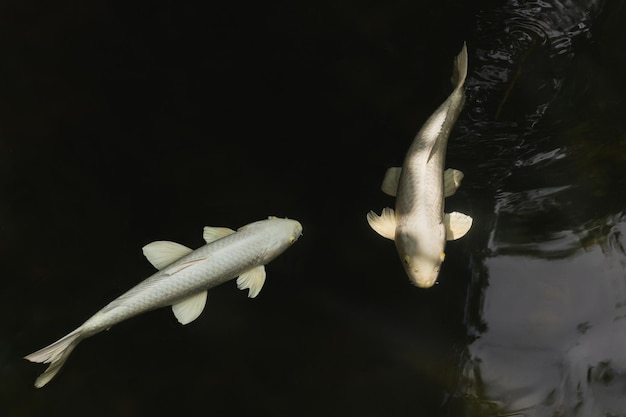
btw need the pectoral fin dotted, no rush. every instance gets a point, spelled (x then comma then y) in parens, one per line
(385, 224)
(162, 253)
(451, 181)
(457, 225)
(190, 308)
(252, 280)
(211, 234)
(391, 180)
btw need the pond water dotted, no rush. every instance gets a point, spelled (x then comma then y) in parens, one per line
(121, 125)
(546, 300)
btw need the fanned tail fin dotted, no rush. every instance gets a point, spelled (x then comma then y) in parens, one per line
(438, 126)
(55, 354)
(460, 68)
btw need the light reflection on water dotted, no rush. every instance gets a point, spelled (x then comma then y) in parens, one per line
(547, 301)
(551, 328)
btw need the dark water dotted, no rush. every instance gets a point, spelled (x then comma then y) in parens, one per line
(124, 124)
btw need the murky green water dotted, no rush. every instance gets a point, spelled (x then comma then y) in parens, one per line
(123, 125)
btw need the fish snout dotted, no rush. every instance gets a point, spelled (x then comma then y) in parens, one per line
(285, 228)
(424, 280)
(296, 231)
(422, 274)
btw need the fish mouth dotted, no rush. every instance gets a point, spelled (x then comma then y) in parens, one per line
(422, 280)
(422, 271)
(297, 233)
(422, 283)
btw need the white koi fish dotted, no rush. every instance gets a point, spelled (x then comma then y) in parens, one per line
(183, 279)
(419, 226)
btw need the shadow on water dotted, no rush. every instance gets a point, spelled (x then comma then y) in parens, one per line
(548, 293)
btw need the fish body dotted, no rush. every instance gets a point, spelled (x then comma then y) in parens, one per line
(419, 225)
(183, 279)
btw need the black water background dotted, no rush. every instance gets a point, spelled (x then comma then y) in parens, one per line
(122, 125)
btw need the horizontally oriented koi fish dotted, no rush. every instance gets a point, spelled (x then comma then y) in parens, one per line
(183, 279)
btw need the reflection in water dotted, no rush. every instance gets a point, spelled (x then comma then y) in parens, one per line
(547, 302)
(550, 308)
(548, 340)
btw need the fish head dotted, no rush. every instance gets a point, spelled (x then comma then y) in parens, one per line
(421, 258)
(423, 271)
(278, 234)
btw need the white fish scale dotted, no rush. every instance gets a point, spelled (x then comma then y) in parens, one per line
(424, 180)
(226, 258)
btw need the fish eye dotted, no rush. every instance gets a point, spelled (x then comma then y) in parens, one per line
(292, 239)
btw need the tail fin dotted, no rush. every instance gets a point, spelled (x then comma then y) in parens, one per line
(460, 68)
(56, 354)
